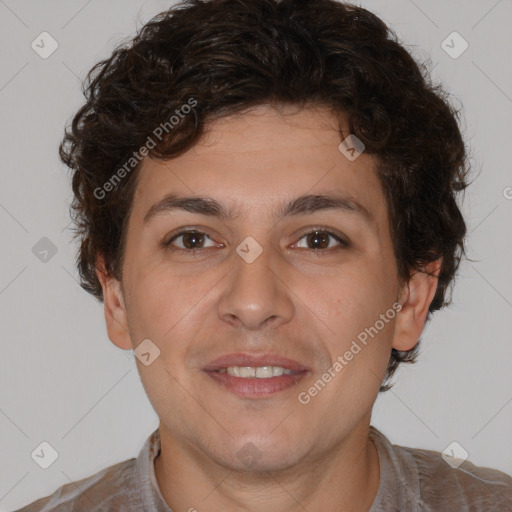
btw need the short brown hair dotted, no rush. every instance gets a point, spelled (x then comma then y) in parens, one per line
(230, 55)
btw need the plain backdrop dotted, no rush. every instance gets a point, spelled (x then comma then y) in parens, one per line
(64, 382)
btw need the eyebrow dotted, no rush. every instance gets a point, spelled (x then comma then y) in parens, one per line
(303, 205)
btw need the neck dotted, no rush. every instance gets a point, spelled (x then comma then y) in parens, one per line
(346, 478)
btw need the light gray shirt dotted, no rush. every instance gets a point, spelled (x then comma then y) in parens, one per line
(411, 480)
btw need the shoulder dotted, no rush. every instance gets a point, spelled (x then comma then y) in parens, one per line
(424, 480)
(112, 486)
(445, 484)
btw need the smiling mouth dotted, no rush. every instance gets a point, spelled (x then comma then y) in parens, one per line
(259, 372)
(255, 382)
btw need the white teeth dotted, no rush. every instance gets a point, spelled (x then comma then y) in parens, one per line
(277, 371)
(261, 372)
(264, 372)
(246, 371)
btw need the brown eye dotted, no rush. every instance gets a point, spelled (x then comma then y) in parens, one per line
(191, 240)
(320, 240)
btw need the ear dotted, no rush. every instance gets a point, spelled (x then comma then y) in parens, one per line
(415, 299)
(114, 307)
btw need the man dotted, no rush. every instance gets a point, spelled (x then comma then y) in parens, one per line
(265, 196)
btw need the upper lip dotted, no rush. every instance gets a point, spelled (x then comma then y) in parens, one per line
(255, 360)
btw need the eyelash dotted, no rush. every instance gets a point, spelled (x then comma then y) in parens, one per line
(316, 230)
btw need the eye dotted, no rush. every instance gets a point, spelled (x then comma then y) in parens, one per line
(320, 238)
(193, 240)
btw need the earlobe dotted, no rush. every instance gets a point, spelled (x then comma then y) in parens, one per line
(114, 307)
(416, 298)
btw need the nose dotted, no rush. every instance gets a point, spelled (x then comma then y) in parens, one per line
(257, 294)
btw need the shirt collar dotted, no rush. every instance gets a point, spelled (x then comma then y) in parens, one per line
(150, 494)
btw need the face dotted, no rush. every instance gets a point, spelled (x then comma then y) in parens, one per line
(301, 286)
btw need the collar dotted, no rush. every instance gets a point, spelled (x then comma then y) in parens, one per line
(150, 494)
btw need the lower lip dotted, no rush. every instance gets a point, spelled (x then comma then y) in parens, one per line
(254, 387)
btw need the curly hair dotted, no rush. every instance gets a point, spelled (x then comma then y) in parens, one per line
(231, 55)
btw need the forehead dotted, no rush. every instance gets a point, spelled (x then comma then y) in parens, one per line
(251, 162)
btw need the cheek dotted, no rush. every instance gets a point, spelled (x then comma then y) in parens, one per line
(170, 309)
(157, 303)
(351, 305)
(354, 298)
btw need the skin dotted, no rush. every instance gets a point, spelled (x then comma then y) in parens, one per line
(290, 301)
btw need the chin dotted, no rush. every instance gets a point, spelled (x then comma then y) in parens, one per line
(250, 459)
(258, 453)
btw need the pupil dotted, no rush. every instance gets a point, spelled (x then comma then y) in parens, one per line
(317, 236)
(193, 236)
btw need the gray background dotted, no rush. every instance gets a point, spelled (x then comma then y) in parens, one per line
(62, 381)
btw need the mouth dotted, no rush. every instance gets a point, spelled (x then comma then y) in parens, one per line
(255, 376)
